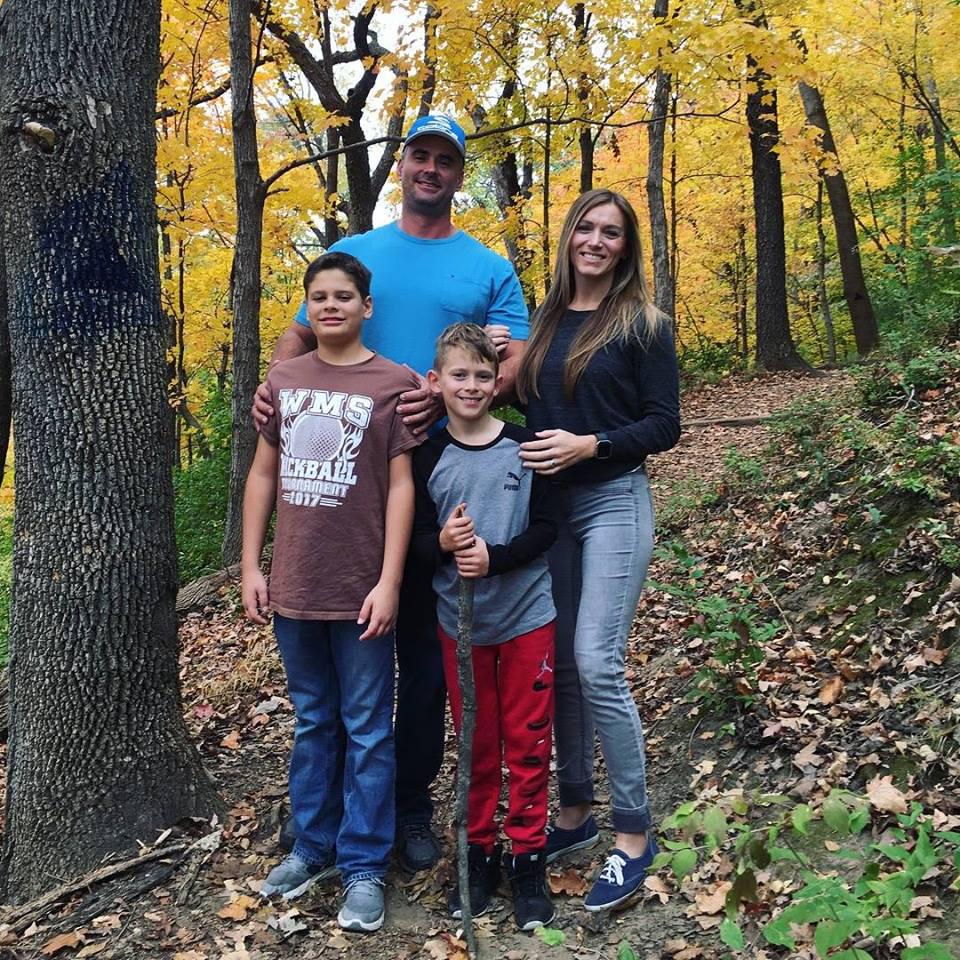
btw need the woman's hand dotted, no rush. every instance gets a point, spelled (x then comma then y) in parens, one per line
(556, 450)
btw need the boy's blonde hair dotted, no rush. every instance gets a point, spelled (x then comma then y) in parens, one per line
(470, 338)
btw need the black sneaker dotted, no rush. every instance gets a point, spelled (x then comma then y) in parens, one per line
(484, 874)
(532, 906)
(417, 847)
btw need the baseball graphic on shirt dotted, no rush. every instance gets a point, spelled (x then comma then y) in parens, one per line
(316, 436)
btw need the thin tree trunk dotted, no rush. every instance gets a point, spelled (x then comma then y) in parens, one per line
(657, 132)
(822, 280)
(245, 274)
(775, 347)
(848, 244)
(581, 25)
(99, 755)
(948, 215)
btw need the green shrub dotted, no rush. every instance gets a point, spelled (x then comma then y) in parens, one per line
(200, 493)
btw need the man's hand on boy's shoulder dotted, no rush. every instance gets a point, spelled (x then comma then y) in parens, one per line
(419, 406)
(473, 562)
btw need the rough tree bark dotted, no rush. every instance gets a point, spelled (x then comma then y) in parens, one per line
(845, 225)
(245, 274)
(775, 348)
(99, 755)
(5, 371)
(585, 138)
(657, 135)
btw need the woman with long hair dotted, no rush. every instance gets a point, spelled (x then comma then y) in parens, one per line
(600, 384)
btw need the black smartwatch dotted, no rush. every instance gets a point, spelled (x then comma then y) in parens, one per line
(604, 447)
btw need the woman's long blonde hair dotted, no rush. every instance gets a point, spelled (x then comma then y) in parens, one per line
(626, 313)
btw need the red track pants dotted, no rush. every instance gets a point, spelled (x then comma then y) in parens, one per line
(514, 682)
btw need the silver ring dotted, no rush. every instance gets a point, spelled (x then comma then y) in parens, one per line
(552, 463)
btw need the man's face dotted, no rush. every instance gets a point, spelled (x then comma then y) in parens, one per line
(431, 172)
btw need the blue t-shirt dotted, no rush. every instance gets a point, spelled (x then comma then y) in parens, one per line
(420, 287)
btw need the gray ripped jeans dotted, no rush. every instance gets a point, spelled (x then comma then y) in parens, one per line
(598, 565)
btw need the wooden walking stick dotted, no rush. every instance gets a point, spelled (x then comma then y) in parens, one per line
(468, 719)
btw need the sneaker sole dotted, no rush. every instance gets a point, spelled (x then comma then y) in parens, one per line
(532, 925)
(356, 925)
(458, 914)
(597, 908)
(579, 845)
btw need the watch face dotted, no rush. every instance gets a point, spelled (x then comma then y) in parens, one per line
(604, 449)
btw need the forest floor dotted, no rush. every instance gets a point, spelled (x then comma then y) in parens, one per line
(850, 683)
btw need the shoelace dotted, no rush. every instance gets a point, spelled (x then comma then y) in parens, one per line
(612, 871)
(418, 831)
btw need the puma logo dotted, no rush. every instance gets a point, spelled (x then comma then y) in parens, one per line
(517, 478)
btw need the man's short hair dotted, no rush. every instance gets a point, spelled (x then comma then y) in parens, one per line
(470, 338)
(349, 264)
(438, 125)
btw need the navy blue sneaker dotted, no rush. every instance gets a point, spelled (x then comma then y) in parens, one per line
(620, 877)
(560, 841)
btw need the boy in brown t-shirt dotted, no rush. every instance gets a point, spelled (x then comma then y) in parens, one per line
(335, 459)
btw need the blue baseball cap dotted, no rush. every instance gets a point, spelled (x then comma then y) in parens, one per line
(438, 125)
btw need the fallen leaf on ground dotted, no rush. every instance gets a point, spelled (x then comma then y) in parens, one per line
(569, 882)
(231, 741)
(65, 941)
(831, 690)
(91, 950)
(238, 909)
(884, 796)
(657, 886)
(713, 901)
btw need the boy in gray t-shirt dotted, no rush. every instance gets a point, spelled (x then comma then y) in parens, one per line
(481, 515)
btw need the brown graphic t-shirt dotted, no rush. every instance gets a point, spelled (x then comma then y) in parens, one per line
(337, 429)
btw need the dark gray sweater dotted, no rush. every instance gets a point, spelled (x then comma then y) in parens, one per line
(630, 391)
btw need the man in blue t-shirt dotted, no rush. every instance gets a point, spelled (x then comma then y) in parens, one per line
(427, 274)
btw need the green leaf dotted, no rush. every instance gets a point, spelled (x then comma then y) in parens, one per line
(836, 815)
(744, 889)
(625, 952)
(684, 862)
(731, 934)
(830, 934)
(801, 817)
(551, 936)
(928, 951)
(759, 853)
(715, 823)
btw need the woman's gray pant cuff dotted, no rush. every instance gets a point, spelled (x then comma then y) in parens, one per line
(632, 821)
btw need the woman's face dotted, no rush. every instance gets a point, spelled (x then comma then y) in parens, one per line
(598, 243)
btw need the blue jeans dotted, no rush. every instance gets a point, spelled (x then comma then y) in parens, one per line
(598, 566)
(342, 765)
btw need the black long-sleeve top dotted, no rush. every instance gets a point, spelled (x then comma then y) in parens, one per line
(628, 391)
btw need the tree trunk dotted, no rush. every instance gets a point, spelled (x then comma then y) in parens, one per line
(848, 245)
(245, 275)
(822, 280)
(585, 139)
(5, 372)
(99, 755)
(947, 201)
(775, 348)
(657, 134)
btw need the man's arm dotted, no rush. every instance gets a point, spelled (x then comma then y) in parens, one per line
(295, 341)
(509, 367)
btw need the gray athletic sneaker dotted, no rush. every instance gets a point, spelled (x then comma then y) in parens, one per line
(362, 908)
(294, 876)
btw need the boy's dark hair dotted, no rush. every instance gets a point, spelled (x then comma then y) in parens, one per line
(350, 265)
(471, 339)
